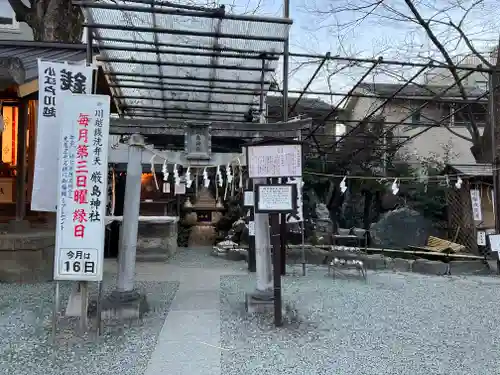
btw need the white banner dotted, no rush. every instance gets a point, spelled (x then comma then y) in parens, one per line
(54, 79)
(475, 197)
(83, 174)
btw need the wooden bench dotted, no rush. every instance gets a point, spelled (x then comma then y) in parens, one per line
(439, 245)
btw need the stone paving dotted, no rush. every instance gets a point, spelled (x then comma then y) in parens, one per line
(189, 342)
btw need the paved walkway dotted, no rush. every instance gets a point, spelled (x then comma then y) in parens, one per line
(189, 342)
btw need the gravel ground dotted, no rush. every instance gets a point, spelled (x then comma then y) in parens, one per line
(25, 334)
(393, 324)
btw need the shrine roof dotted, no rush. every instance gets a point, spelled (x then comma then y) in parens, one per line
(30, 52)
(183, 62)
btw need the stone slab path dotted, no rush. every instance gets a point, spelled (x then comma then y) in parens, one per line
(189, 342)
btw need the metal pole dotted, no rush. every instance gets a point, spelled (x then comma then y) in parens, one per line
(283, 233)
(286, 56)
(84, 291)
(55, 313)
(493, 94)
(251, 238)
(302, 227)
(99, 308)
(275, 241)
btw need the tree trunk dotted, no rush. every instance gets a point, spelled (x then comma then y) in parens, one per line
(51, 20)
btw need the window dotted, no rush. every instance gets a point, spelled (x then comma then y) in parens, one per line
(7, 16)
(483, 85)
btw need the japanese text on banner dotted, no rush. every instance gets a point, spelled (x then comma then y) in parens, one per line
(83, 180)
(56, 79)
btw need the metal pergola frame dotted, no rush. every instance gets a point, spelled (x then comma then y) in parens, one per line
(158, 85)
(166, 88)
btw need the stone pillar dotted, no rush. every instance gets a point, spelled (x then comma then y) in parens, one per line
(263, 250)
(128, 232)
(125, 301)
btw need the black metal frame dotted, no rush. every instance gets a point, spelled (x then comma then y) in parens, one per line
(213, 85)
(183, 78)
(212, 49)
(182, 110)
(184, 65)
(183, 100)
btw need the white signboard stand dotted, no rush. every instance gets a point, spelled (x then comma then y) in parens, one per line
(274, 161)
(55, 80)
(83, 174)
(81, 196)
(180, 189)
(495, 243)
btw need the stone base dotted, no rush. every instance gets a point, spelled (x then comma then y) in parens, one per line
(230, 254)
(260, 303)
(202, 235)
(27, 256)
(124, 305)
(19, 226)
(156, 242)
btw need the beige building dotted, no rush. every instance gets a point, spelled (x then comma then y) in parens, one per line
(10, 29)
(425, 129)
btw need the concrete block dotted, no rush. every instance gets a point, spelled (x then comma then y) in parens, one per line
(27, 257)
(375, 262)
(123, 306)
(470, 267)
(398, 264)
(430, 267)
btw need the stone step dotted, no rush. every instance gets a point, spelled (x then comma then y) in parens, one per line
(151, 257)
(151, 250)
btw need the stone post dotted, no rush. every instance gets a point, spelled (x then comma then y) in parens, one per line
(126, 301)
(263, 251)
(128, 232)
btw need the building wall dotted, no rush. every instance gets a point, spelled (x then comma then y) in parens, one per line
(23, 32)
(442, 76)
(436, 142)
(18, 31)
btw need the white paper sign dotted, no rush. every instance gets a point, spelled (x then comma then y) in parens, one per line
(291, 218)
(180, 189)
(83, 174)
(251, 228)
(494, 242)
(481, 238)
(275, 198)
(54, 80)
(248, 199)
(475, 197)
(275, 161)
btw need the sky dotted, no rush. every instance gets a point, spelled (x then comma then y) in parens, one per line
(385, 30)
